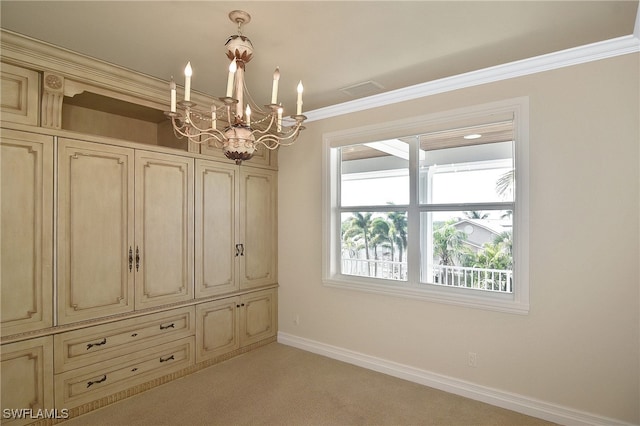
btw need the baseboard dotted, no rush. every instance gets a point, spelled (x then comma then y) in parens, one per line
(511, 401)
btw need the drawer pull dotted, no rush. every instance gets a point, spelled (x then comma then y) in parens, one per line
(104, 377)
(134, 369)
(90, 345)
(166, 359)
(164, 327)
(134, 334)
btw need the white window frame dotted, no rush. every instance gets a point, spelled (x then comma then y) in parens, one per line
(516, 302)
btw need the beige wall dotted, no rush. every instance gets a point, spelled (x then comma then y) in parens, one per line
(579, 347)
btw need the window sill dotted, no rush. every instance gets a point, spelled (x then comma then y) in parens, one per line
(506, 303)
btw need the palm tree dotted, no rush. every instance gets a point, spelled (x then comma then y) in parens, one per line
(504, 241)
(379, 235)
(476, 215)
(398, 232)
(505, 183)
(358, 227)
(448, 242)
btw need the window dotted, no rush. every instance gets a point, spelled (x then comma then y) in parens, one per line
(434, 207)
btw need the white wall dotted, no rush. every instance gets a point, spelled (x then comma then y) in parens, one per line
(579, 347)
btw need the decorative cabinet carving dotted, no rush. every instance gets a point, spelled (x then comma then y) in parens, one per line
(235, 227)
(27, 378)
(225, 325)
(20, 94)
(27, 231)
(52, 98)
(114, 236)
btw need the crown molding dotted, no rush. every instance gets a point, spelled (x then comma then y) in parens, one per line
(564, 58)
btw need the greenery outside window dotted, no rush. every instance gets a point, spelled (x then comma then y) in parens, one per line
(434, 207)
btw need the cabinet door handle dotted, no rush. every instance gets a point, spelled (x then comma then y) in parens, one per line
(237, 250)
(241, 249)
(130, 258)
(104, 377)
(137, 259)
(90, 345)
(166, 359)
(164, 327)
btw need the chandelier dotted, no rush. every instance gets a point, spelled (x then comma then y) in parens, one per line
(235, 123)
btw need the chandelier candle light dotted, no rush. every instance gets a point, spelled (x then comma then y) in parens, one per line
(233, 124)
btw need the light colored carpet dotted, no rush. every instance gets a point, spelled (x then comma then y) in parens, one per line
(281, 385)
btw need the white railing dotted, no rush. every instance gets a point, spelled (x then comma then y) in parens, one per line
(497, 280)
(384, 269)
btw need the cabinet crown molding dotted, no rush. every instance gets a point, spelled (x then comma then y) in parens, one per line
(107, 78)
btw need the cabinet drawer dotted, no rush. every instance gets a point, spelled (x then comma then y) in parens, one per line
(79, 348)
(90, 383)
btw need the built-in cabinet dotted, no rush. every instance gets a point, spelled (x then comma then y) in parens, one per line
(95, 224)
(112, 357)
(27, 379)
(125, 218)
(235, 228)
(20, 94)
(228, 324)
(26, 198)
(125, 263)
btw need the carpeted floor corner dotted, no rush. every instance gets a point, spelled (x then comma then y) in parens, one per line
(281, 385)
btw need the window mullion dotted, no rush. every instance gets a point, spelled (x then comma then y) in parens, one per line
(413, 215)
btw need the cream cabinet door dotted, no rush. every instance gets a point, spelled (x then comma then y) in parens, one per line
(27, 231)
(258, 227)
(217, 328)
(215, 236)
(20, 94)
(258, 319)
(95, 230)
(27, 380)
(164, 229)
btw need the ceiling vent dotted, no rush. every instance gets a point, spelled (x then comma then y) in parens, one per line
(363, 89)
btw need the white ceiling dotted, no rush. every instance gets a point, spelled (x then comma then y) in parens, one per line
(329, 45)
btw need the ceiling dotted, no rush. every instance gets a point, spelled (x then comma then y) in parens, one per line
(341, 50)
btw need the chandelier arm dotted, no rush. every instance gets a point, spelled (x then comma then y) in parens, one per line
(187, 129)
(287, 138)
(272, 142)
